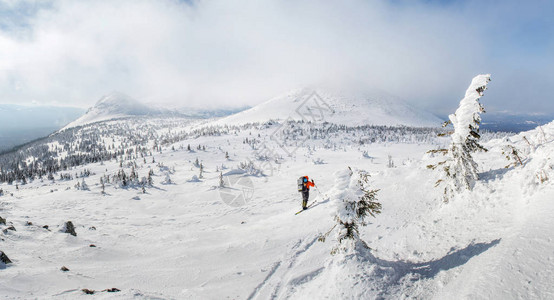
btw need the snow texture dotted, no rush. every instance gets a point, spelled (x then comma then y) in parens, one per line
(183, 241)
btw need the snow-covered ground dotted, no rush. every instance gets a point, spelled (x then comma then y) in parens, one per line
(181, 240)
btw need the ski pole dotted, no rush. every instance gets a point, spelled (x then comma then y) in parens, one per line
(319, 192)
(323, 195)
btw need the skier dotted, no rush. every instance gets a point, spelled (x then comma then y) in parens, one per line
(304, 187)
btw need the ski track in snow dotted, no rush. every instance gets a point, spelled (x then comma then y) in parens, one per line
(280, 273)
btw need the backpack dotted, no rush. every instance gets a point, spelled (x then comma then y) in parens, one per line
(301, 184)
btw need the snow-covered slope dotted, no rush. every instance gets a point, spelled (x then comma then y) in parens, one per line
(181, 239)
(338, 107)
(113, 106)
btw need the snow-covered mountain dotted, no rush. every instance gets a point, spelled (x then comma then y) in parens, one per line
(338, 107)
(153, 219)
(168, 208)
(114, 106)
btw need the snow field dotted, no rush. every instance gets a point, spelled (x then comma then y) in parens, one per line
(181, 240)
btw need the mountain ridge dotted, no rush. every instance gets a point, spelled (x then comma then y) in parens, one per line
(336, 106)
(114, 106)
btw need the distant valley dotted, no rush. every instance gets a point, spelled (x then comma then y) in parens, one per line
(21, 124)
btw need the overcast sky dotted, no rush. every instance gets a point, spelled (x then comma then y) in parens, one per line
(235, 53)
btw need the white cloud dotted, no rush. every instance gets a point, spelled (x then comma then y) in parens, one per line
(241, 52)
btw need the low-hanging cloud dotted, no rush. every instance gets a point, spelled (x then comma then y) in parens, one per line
(234, 53)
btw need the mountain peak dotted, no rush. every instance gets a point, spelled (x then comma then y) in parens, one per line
(112, 106)
(120, 104)
(115, 97)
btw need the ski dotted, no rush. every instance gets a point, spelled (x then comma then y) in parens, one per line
(307, 207)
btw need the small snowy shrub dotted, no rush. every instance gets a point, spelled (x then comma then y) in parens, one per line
(512, 155)
(250, 168)
(541, 176)
(167, 179)
(194, 179)
(318, 161)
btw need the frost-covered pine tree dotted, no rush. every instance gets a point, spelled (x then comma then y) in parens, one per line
(355, 202)
(460, 168)
(84, 185)
(167, 179)
(103, 185)
(149, 179)
(221, 181)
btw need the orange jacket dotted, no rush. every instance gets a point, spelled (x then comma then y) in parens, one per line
(308, 183)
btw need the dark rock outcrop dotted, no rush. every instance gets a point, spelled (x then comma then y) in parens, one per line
(87, 291)
(4, 258)
(70, 228)
(9, 228)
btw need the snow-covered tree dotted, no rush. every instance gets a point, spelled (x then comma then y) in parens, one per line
(460, 168)
(390, 163)
(355, 202)
(103, 185)
(167, 179)
(84, 185)
(150, 180)
(221, 181)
